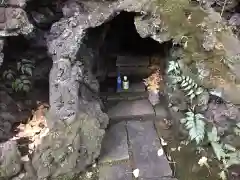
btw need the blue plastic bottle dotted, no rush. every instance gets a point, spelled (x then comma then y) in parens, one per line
(119, 82)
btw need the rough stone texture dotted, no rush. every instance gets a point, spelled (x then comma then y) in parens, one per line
(115, 145)
(161, 110)
(145, 144)
(68, 148)
(125, 109)
(10, 159)
(115, 172)
(14, 20)
(9, 114)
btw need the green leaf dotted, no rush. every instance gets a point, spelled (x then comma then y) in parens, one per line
(187, 88)
(233, 159)
(192, 96)
(183, 120)
(190, 92)
(218, 150)
(190, 113)
(29, 71)
(19, 65)
(23, 77)
(199, 90)
(236, 131)
(26, 81)
(26, 88)
(184, 83)
(229, 147)
(199, 116)
(20, 86)
(18, 81)
(238, 125)
(213, 135)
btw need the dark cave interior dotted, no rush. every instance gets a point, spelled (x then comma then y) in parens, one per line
(122, 40)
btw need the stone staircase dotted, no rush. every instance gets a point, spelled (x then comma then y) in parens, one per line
(131, 141)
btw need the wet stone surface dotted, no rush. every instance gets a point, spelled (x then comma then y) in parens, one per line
(115, 145)
(126, 109)
(144, 144)
(115, 172)
(161, 111)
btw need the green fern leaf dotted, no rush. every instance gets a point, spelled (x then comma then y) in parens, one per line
(199, 91)
(233, 159)
(236, 131)
(190, 92)
(229, 147)
(196, 126)
(218, 150)
(213, 135)
(238, 125)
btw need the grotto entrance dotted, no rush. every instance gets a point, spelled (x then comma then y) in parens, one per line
(124, 51)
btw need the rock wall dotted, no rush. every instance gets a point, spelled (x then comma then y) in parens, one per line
(75, 119)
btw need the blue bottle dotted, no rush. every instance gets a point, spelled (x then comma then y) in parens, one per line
(119, 82)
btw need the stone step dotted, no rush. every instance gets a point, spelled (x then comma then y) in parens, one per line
(118, 96)
(132, 61)
(130, 71)
(115, 172)
(144, 145)
(135, 87)
(129, 109)
(115, 145)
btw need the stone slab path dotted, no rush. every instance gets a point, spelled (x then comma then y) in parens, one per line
(133, 143)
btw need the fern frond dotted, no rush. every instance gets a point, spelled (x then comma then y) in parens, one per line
(195, 124)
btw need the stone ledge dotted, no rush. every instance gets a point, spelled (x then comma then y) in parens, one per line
(114, 146)
(144, 144)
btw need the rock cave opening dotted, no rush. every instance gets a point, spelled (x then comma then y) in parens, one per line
(124, 51)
